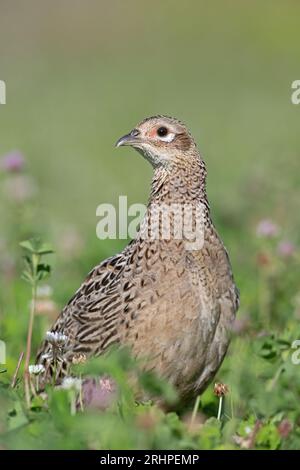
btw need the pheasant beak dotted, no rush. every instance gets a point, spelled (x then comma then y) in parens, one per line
(129, 139)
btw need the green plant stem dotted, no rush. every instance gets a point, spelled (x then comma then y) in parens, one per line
(73, 402)
(195, 409)
(220, 408)
(15, 376)
(28, 347)
(80, 394)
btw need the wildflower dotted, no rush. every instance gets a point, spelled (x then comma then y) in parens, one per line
(286, 249)
(12, 162)
(284, 428)
(249, 441)
(267, 228)
(46, 307)
(99, 393)
(71, 383)
(44, 304)
(106, 384)
(56, 339)
(36, 369)
(220, 389)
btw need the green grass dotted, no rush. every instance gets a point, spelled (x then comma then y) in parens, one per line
(77, 79)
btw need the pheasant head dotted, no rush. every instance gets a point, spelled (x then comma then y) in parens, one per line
(168, 145)
(162, 140)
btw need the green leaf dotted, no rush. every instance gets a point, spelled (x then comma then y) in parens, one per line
(45, 249)
(27, 277)
(43, 271)
(246, 426)
(17, 417)
(28, 245)
(35, 246)
(210, 434)
(268, 437)
(157, 387)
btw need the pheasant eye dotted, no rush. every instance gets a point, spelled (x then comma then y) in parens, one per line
(162, 131)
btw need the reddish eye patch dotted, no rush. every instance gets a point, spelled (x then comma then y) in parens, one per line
(153, 132)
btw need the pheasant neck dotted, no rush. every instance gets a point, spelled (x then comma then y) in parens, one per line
(180, 183)
(180, 188)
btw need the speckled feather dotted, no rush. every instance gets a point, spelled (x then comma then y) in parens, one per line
(172, 306)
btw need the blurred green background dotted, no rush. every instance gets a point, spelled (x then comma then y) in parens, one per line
(81, 74)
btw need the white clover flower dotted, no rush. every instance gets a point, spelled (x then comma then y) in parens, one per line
(44, 291)
(36, 369)
(56, 338)
(70, 383)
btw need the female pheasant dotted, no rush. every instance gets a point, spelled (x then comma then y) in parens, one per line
(170, 298)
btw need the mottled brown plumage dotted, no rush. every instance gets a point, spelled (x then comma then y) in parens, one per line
(170, 304)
